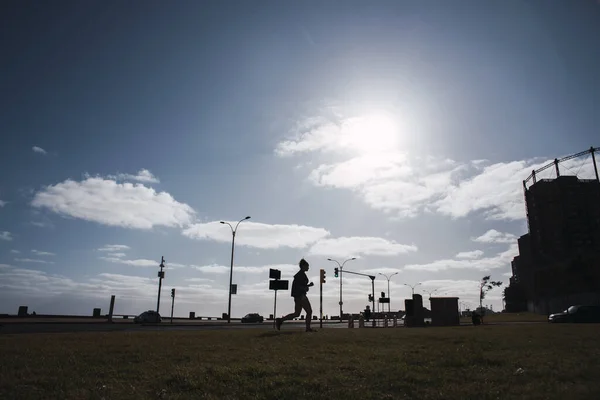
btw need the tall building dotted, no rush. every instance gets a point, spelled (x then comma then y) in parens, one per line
(559, 259)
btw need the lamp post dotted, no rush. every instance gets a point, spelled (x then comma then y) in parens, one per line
(388, 279)
(233, 231)
(341, 268)
(412, 287)
(430, 293)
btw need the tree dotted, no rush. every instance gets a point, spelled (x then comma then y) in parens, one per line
(485, 286)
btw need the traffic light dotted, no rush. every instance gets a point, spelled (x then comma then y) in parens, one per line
(173, 293)
(370, 298)
(322, 276)
(383, 295)
(336, 271)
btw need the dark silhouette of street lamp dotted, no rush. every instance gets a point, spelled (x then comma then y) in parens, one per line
(233, 231)
(430, 292)
(412, 287)
(341, 268)
(388, 279)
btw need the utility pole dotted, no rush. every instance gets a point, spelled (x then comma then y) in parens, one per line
(412, 287)
(341, 266)
(321, 282)
(233, 231)
(172, 303)
(161, 276)
(388, 280)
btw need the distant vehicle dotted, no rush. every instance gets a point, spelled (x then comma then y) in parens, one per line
(577, 314)
(147, 316)
(253, 317)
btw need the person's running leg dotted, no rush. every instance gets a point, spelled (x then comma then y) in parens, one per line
(295, 314)
(308, 309)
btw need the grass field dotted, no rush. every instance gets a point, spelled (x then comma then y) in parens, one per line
(537, 361)
(511, 317)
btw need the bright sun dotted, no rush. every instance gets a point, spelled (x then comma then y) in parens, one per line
(373, 133)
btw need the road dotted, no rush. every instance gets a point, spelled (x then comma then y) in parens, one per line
(79, 326)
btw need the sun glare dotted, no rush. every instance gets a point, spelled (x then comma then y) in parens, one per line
(374, 133)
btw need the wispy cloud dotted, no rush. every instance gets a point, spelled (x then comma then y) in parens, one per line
(114, 247)
(134, 263)
(115, 204)
(143, 175)
(255, 234)
(38, 150)
(391, 180)
(2, 203)
(500, 260)
(140, 262)
(15, 251)
(493, 236)
(5, 235)
(355, 246)
(42, 253)
(31, 260)
(469, 254)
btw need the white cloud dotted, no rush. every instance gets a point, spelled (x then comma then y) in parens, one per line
(500, 260)
(38, 150)
(15, 251)
(41, 224)
(114, 247)
(255, 234)
(42, 253)
(383, 270)
(6, 236)
(115, 204)
(143, 175)
(31, 260)
(355, 246)
(391, 181)
(212, 269)
(469, 254)
(254, 270)
(116, 255)
(2, 203)
(134, 263)
(493, 236)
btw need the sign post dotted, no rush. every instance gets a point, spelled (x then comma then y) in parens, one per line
(172, 303)
(276, 284)
(161, 276)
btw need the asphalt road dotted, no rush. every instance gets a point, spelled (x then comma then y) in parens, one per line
(62, 327)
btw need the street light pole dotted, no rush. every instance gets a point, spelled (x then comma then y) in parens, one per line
(413, 287)
(430, 293)
(388, 279)
(233, 231)
(341, 269)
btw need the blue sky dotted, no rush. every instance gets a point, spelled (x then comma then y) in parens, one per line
(395, 132)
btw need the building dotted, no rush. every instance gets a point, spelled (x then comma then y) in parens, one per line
(559, 259)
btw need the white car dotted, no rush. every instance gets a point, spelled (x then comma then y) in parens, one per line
(147, 316)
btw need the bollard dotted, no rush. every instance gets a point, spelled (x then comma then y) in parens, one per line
(385, 322)
(350, 322)
(395, 322)
(361, 322)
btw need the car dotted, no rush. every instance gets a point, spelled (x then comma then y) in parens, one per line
(252, 317)
(147, 316)
(577, 314)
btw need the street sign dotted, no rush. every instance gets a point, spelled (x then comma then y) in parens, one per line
(234, 288)
(274, 274)
(278, 285)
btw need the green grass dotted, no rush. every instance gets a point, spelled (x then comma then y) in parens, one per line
(558, 361)
(511, 317)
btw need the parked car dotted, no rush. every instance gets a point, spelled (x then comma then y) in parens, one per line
(577, 314)
(253, 317)
(147, 316)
